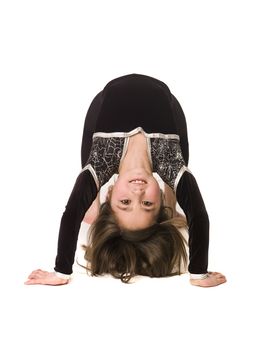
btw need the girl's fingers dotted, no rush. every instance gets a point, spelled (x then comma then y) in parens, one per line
(37, 274)
(33, 281)
(216, 274)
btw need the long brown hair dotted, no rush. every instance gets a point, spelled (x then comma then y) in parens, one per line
(157, 251)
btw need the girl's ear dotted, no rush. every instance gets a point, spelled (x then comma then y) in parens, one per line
(93, 211)
(108, 196)
(163, 199)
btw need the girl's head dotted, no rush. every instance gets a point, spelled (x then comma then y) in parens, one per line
(155, 250)
(135, 199)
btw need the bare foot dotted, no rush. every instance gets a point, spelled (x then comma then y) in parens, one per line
(213, 279)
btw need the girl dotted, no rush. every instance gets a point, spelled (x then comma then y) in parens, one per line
(134, 127)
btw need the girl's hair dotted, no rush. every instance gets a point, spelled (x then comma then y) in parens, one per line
(157, 251)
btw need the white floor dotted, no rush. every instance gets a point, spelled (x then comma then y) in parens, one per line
(102, 312)
(55, 57)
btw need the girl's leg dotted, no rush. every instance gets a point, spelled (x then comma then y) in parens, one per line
(181, 125)
(90, 128)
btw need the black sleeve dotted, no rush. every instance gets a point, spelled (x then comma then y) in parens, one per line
(190, 200)
(81, 198)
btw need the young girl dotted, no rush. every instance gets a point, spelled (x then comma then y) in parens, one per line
(134, 127)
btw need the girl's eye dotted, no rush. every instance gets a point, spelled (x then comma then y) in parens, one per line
(147, 203)
(125, 201)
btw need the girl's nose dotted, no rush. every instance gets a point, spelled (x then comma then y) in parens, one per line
(138, 190)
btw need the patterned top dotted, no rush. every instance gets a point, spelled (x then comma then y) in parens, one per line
(108, 150)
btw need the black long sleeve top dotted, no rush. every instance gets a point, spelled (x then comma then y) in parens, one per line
(127, 105)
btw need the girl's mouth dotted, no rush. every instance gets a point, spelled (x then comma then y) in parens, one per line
(138, 181)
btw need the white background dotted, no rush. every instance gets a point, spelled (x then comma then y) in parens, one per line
(55, 57)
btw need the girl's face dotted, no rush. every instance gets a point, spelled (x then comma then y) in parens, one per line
(136, 199)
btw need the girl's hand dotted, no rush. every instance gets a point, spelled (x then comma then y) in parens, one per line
(45, 277)
(213, 279)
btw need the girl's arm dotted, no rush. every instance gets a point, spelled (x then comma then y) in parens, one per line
(169, 163)
(81, 198)
(191, 201)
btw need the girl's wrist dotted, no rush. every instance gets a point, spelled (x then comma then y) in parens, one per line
(198, 276)
(62, 275)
